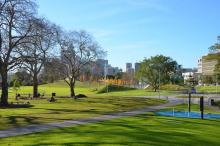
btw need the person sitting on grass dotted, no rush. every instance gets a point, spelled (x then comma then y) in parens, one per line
(52, 99)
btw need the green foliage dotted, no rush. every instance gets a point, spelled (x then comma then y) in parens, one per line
(192, 81)
(217, 69)
(211, 79)
(114, 88)
(216, 47)
(16, 84)
(215, 54)
(157, 70)
(24, 78)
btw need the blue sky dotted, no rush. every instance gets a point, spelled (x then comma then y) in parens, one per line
(130, 30)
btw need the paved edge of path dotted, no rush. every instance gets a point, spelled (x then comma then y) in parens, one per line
(44, 127)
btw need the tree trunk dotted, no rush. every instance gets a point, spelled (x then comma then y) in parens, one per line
(72, 91)
(4, 96)
(35, 86)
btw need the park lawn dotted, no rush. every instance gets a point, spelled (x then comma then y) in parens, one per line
(136, 92)
(146, 129)
(87, 88)
(63, 109)
(60, 88)
(211, 89)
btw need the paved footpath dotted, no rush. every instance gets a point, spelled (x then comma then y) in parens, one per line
(44, 127)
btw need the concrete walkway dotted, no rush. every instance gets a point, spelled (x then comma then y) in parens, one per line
(44, 127)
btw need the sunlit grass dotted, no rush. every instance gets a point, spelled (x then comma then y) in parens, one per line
(212, 89)
(143, 130)
(42, 111)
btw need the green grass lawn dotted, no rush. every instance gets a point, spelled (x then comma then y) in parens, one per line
(212, 89)
(68, 108)
(60, 88)
(89, 89)
(148, 129)
(145, 130)
(43, 111)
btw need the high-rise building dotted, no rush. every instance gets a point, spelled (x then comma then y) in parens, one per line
(137, 67)
(200, 66)
(100, 67)
(128, 67)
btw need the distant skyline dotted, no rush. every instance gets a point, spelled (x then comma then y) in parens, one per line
(130, 30)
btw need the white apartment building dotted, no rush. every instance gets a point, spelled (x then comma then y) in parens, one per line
(206, 67)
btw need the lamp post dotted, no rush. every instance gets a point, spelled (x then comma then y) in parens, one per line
(216, 84)
(159, 82)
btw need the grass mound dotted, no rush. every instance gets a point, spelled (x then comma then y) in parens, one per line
(114, 88)
(172, 87)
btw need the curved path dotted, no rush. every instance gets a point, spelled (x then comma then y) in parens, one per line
(44, 127)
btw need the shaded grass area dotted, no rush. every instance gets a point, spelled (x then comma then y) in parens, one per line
(145, 130)
(43, 111)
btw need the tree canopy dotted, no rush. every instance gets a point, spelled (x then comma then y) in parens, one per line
(157, 70)
(215, 54)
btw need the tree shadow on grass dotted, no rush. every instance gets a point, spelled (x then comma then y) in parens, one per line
(14, 106)
(13, 120)
(121, 133)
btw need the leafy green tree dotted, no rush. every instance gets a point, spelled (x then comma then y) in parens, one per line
(216, 48)
(215, 54)
(157, 70)
(16, 84)
(207, 79)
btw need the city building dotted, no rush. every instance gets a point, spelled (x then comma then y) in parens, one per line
(112, 71)
(189, 73)
(128, 67)
(137, 67)
(99, 67)
(206, 66)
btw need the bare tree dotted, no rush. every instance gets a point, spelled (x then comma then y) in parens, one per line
(78, 49)
(14, 28)
(50, 72)
(37, 51)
